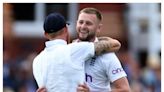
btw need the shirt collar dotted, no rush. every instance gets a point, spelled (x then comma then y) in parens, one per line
(96, 40)
(55, 42)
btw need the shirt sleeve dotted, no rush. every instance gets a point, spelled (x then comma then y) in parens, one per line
(82, 51)
(113, 67)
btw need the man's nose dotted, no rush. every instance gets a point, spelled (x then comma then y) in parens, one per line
(83, 26)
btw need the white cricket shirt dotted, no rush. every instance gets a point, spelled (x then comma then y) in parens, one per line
(102, 70)
(60, 67)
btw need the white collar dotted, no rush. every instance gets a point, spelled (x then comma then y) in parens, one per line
(55, 42)
(96, 39)
(77, 40)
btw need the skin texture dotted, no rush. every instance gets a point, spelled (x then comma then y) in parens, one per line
(114, 46)
(87, 27)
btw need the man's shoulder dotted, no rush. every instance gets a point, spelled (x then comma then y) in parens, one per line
(38, 57)
(108, 57)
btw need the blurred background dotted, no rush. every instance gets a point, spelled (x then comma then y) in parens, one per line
(136, 25)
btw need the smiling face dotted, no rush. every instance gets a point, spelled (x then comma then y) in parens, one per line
(87, 26)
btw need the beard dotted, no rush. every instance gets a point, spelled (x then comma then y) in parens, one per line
(89, 37)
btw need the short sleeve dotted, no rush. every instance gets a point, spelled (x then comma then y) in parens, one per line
(82, 51)
(113, 67)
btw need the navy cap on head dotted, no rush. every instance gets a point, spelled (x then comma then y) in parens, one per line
(54, 22)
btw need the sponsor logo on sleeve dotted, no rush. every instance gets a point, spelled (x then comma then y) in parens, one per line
(117, 70)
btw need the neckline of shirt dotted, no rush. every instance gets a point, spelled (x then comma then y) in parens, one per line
(55, 42)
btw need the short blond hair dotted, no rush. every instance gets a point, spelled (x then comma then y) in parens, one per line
(90, 10)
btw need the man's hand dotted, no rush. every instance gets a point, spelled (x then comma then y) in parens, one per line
(83, 88)
(42, 89)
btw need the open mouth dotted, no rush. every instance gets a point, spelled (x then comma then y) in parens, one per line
(83, 32)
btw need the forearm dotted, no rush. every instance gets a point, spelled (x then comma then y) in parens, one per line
(114, 44)
(120, 90)
(106, 44)
(101, 47)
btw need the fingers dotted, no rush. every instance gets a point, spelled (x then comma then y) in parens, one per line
(41, 90)
(83, 88)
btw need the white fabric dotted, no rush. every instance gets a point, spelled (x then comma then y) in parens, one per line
(102, 70)
(60, 67)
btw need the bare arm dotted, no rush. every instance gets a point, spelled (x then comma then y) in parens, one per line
(121, 85)
(114, 44)
(105, 45)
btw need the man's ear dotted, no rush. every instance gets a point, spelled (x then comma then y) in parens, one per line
(65, 29)
(99, 27)
(67, 34)
(46, 35)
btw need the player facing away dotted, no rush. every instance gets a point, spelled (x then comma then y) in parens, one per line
(60, 66)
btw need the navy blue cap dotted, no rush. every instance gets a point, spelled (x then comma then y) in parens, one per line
(54, 22)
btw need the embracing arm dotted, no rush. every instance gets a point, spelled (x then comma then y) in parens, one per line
(114, 44)
(106, 44)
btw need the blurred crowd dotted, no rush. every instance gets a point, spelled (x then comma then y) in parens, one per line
(142, 79)
(17, 74)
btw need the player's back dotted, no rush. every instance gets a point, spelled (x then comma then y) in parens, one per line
(57, 71)
(62, 74)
